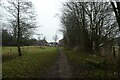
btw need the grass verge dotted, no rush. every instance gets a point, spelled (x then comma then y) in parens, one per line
(34, 64)
(89, 66)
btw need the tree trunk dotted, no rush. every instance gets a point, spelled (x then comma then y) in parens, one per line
(19, 50)
(18, 38)
(118, 7)
(117, 12)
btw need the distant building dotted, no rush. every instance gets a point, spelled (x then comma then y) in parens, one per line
(42, 43)
(52, 44)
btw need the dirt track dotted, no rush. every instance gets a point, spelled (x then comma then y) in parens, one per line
(61, 68)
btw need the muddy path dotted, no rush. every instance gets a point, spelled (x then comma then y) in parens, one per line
(61, 68)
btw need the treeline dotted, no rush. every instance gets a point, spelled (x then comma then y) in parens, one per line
(10, 40)
(88, 26)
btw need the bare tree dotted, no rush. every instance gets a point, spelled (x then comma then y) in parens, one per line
(55, 38)
(88, 25)
(117, 14)
(22, 19)
(39, 36)
(44, 38)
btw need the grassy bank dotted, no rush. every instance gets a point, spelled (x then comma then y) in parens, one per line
(35, 63)
(89, 66)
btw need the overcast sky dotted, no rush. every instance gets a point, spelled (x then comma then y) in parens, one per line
(46, 17)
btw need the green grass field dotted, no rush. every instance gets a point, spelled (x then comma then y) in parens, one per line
(7, 55)
(35, 62)
(89, 66)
